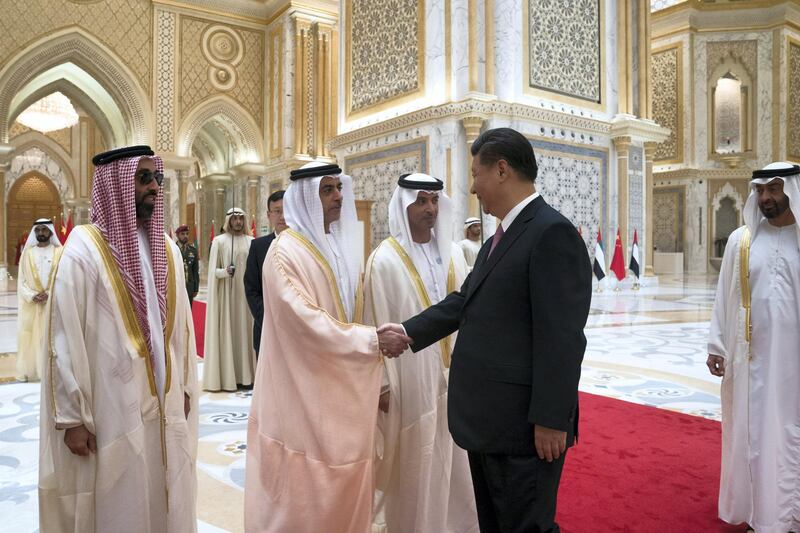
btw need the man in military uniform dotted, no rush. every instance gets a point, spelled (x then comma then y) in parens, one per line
(190, 262)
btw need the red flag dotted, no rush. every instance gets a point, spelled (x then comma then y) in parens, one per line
(20, 246)
(618, 261)
(62, 231)
(253, 227)
(66, 230)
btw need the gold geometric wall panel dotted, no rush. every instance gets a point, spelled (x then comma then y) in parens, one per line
(667, 104)
(221, 59)
(668, 218)
(385, 52)
(275, 81)
(793, 101)
(123, 25)
(63, 136)
(564, 54)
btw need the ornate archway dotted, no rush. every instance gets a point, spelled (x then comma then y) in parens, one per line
(75, 46)
(32, 196)
(229, 118)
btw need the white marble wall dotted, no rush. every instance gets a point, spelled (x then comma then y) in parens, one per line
(509, 73)
(763, 137)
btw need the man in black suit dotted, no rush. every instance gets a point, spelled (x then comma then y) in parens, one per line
(520, 314)
(255, 261)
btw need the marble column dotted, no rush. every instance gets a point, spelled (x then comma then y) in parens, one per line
(219, 208)
(3, 253)
(625, 59)
(166, 186)
(622, 148)
(649, 154)
(316, 54)
(183, 185)
(472, 127)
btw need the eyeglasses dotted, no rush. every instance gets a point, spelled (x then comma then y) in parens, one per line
(146, 177)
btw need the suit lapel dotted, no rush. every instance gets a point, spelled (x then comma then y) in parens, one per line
(484, 264)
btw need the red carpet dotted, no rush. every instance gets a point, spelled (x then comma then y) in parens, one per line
(636, 469)
(639, 469)
(199, 316)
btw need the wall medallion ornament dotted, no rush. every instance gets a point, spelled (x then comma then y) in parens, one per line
(224, 50)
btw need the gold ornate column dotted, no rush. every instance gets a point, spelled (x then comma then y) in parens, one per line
(253, 183)
(472, 128)
(645, 68)
(622, 148)
(649, 154)
(166, 186)
(624, 57)
(315, 85)
(200, 214)
(183, 186)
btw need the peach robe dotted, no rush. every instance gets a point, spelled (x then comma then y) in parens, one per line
(311, 430)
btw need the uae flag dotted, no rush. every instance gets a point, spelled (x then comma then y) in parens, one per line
(253, 227)
(599, 265)
(66, 230)
(617, 262)
(634, 264)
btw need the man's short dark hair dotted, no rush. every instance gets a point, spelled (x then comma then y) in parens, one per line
(277, 196)
(510, 145)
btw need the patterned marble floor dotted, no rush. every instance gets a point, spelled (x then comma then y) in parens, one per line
(645, 346)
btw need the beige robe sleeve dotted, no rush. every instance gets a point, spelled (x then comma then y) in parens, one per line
(724, 317)
(69, 373)
(25, 285)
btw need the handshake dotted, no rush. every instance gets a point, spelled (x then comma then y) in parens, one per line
(392, 340)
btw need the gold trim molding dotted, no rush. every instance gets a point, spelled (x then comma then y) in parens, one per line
(474, 107)
(702, 173)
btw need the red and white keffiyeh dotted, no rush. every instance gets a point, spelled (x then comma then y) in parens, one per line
(114, 213)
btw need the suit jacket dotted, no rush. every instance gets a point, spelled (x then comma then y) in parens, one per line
(520, 316)
(252, 283)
